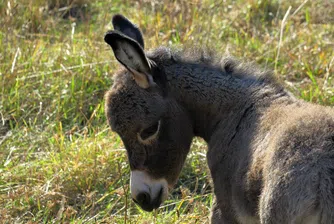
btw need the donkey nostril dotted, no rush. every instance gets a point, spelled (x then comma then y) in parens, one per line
(143, 198)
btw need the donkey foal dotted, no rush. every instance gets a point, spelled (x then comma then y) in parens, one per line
(271, 156)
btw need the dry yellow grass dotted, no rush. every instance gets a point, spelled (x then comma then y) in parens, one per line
(59, 160)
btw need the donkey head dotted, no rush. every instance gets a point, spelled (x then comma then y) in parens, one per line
(153, 126)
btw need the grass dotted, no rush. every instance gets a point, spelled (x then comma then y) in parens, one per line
(59, 162)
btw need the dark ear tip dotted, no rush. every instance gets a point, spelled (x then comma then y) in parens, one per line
(125, 26)
(110, 36)
(118, 18)
(119, 21)
(107, 37)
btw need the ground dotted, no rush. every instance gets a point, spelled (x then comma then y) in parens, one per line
(59, 162)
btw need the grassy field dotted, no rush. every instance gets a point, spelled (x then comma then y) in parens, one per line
(60, 163)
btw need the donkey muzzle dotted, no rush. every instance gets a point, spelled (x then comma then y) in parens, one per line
(146, 191)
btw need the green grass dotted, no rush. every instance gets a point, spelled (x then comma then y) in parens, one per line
(59, 162)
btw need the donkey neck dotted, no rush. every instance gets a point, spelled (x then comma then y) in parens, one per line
(210, 95)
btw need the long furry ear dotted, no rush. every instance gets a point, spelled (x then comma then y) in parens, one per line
(130, 54)
(122, 24)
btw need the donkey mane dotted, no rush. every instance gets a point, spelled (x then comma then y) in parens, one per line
(226, 64)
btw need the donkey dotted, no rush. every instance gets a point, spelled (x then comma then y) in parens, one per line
(271, 155)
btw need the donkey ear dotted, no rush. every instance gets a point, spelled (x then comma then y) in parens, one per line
(129, 29)
(130, 54)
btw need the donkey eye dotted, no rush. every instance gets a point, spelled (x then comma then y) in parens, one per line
(151, 131)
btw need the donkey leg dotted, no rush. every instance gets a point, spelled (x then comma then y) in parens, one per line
(327, 193)
(220, 215)
(216, 214)
(290, 201)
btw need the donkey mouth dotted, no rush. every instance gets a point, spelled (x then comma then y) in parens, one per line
(148, 205)
(158, 200)
(147, 192)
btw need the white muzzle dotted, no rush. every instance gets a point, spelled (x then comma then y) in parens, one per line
(147, 192)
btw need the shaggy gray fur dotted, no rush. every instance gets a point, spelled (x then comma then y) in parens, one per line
(271, 156)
